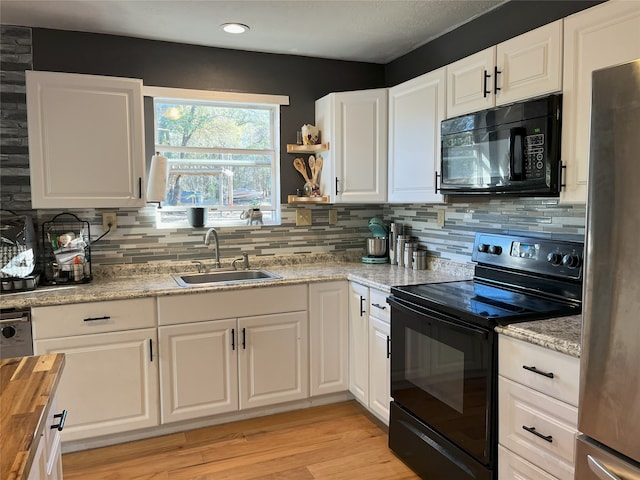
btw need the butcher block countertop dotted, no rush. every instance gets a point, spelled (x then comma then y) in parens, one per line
(26, 385)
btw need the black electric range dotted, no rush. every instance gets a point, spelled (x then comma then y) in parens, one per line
(444, 355)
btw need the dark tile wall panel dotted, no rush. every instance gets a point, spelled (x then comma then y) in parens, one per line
(15, 57)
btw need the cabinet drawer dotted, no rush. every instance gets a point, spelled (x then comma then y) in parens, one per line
(96, 317)
(379, 308)
(513, 467)
(200, 307)
(522, 407)
(517, 359)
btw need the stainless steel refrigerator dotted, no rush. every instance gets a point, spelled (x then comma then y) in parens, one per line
(609, 408)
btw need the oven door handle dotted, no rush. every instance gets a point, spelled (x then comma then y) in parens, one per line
(408, 307)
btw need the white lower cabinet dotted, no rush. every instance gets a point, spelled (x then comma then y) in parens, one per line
(47, 461)
(110, 382)
(199, 369)
(358, 342)
(369, 349)
(538, 411)
(210, 364)
(329, 337)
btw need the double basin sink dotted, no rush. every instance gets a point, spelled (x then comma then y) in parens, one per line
(223, 277)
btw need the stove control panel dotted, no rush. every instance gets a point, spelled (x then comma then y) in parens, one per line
(537, 255)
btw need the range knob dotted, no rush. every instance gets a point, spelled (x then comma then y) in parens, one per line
(483, 247)
(495, 250)
(8, 332)
(554, 259)
(571, 261)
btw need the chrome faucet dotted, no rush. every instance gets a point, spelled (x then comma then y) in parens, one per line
(207, 241)
(244, 259)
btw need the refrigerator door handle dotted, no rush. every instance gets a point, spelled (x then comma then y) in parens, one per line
(600, 470)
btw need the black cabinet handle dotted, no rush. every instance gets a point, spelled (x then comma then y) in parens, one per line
(563, 170)
(362, 310)
(435, 181)
(388, 346)
(485, 91)
(496, 72)
(63, 418)
(547, 438)
(539, 372)
(377, 305)
(139, 187)
(95, 319)
(151, 350)
(233, 339)
(337, 191)
(244, 338)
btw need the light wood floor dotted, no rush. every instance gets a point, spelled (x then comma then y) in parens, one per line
(337, 441)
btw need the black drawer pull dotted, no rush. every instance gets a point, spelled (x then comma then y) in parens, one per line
(388, 346)
(535, 370)
(95, 319)
(381, 307)
(548, 438)
(233, 339)
(63, 417)
(362, 310)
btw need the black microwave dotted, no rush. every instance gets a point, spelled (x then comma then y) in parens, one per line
(510, 150)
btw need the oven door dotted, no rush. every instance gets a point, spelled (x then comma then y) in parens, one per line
(443, 374)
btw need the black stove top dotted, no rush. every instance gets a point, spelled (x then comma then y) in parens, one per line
(517, 278)
(484, 304)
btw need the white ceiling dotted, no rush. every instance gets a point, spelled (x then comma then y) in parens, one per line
(359, 30)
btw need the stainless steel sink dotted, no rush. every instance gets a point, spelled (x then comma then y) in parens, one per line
(233, 276)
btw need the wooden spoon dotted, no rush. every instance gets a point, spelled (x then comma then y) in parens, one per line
(319, 163)
(298, 164)
(312, 168)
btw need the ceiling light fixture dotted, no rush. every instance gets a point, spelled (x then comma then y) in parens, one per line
(234, 27)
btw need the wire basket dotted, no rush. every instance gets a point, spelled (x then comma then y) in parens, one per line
(66, 250)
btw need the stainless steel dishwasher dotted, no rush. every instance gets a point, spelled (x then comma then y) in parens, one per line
(15, 333)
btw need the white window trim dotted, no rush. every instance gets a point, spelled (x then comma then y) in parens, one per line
(169, 93)
(216, 96)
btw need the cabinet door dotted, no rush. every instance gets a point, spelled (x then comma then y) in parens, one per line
(359, 146)
(416, 109)
(470, 83)
(602, 36)
(273, 359)
(513, 467)
(329, 337)
(358, 342)
(110, 382)
(379, 368)
(86, 140)
(529, 65)
(198, 369)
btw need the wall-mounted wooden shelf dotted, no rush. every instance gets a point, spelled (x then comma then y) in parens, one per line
(293, 199)
(321, 147)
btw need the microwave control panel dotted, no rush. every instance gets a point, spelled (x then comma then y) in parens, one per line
(534, 156)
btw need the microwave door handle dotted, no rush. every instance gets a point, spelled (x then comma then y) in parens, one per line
(516, 153)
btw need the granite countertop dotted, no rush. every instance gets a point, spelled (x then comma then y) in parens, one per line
(152, 283)
(562, 334)
(26, 386)
(149, 280)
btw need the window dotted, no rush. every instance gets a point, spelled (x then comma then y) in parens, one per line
(222, 155)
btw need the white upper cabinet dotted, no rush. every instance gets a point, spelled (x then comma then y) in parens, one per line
(416, 108)
(354, 124)
(602, 36)
(86, 140)
(525, 66)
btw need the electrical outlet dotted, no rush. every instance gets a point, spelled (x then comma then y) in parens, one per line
(109, 218)
(303, 217)
(441, 218)
(333, 216)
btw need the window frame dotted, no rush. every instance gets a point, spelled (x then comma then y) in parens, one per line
(272, 103)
